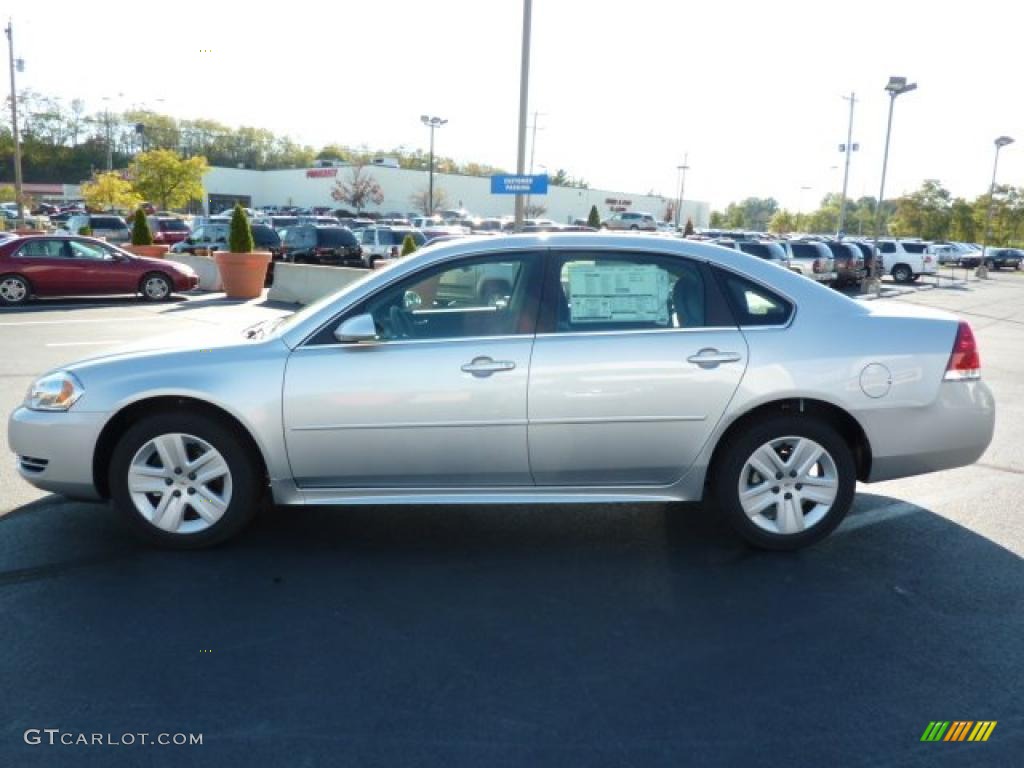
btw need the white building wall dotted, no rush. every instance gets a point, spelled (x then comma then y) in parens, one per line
(298, 187)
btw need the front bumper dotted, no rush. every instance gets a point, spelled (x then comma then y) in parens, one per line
(54, 451)
(953, 431)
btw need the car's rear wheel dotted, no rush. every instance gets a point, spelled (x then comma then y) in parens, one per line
(901, 273)
(786, 483)
(14, 290)
(183, 481)
(989, 264)
(155, 287)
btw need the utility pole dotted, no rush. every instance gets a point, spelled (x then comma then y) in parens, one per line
(848, 148)
(682, 186)
(20, 220)
(533, 151)
(524, 101)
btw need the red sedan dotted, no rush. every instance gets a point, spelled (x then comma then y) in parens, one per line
(44, 265)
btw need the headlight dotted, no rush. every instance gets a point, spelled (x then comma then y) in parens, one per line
(55, 392)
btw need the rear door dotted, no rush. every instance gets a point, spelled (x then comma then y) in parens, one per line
(634, 364)
(44, 262)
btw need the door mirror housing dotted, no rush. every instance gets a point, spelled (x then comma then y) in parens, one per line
(360, 328)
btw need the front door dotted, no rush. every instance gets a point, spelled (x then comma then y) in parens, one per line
(438, 400)
(634, 364)
(102, 270)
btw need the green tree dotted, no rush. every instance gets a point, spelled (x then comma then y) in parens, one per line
(924, 213)
(782, 221)
(408, 245)
(961, 221)
(718, 220)
(167, 179)
(141, 233)
(109, 191)
(594, 218)
(240, 237)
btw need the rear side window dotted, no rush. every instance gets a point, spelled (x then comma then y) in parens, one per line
(752, 303)
(805, 250)
(42, 249)
(760, 250)
(107, 222)
(265, 236)
(914, 247)
(335, 236)
(173, 225)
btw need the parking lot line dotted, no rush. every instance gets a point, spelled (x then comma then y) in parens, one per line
(77, 321)
(84, 343)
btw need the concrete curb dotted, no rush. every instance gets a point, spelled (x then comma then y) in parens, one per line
(204, 266)
(305, 283)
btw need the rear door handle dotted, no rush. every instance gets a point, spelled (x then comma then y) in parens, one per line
(485, 366)
(709, 358)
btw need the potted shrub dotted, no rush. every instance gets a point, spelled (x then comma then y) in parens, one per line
(242, 270)
(85, 231)
(142, 239)
(408, 245)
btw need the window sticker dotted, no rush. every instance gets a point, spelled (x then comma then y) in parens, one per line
(600, 293)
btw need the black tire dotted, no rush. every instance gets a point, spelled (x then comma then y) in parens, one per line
(901, 273)
(726, 473)
(243, 465)
(991, 265)
(15, 290)
(634, 227)
(149, 290)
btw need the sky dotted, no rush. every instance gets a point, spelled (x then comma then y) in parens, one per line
(749, 92)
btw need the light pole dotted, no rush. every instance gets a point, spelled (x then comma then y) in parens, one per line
(432, 123)
(14, 125)
(1001, 142)
(800, 210)
(524, 101)
(681, 170)
(896, 87)
(849, 147)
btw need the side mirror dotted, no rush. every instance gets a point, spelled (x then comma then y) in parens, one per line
(356, 329)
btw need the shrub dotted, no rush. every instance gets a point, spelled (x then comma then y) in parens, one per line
(141, 233)
(594, 219)
(408, 245)
(240, 240)
(85, 231)
(688, 229)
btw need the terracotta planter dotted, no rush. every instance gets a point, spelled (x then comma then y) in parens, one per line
(149, 251)
(243, 274)
(29, 231)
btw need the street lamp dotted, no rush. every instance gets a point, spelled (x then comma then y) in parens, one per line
(681, 171)
(896, 87)
(1001, 142)
(432, 123)
(18, 65)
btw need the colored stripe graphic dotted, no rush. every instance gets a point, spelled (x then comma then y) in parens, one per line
(958, 730)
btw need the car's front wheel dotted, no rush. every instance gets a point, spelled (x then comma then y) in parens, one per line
(785, 483)
(155, 287)
(184, 480)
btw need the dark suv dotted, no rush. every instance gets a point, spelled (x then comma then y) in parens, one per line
(849, 262)
(312, 244)
(995, 258)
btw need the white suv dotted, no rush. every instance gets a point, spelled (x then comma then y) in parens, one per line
(632, 220)
(906, 260)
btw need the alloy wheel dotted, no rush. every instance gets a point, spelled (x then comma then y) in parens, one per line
(13, 290)
(179, 483)
(788, 485)
(156, 287)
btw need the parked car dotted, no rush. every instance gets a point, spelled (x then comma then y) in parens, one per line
(62, 265)
(109, 226)
(726, 395)
(214, 235)
(867, 251)
(812, 259)
(422, 222)
(906, 260)
(635, 220)
(944, 253)
(168, 230)
(378, 241)
(282, 222)
(769, 251)
(848, 261)
(313, 244)
(995, 258)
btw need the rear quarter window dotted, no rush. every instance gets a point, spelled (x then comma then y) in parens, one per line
(752, 303)
(914, 247)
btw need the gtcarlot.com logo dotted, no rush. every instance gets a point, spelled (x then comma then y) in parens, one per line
(959, 730)
(57, 737)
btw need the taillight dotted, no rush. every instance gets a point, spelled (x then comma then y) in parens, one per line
(964, 361)
(927, 259)
(818, 266)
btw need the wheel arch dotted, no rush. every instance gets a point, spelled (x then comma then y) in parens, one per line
(847, 426)
(134, 411)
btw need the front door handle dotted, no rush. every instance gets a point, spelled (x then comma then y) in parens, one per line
(710, 358)
(485, 366)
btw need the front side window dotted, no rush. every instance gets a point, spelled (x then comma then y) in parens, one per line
(494, 295)
(42, 249)
(88, 251)
(368, 237)
(627, 292)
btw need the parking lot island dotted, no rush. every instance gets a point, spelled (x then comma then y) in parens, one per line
(305, 283)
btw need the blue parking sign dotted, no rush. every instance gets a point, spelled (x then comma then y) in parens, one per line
(519, 185)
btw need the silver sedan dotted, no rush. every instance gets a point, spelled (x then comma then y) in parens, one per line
(551, 368)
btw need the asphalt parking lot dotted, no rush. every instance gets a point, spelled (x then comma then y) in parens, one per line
(608, 635)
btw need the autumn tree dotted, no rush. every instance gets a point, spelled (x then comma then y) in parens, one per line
(168, 179)
(107, 191)
(359, 190)
(421, 200)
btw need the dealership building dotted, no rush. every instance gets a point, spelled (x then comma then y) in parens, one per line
(309, 187)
